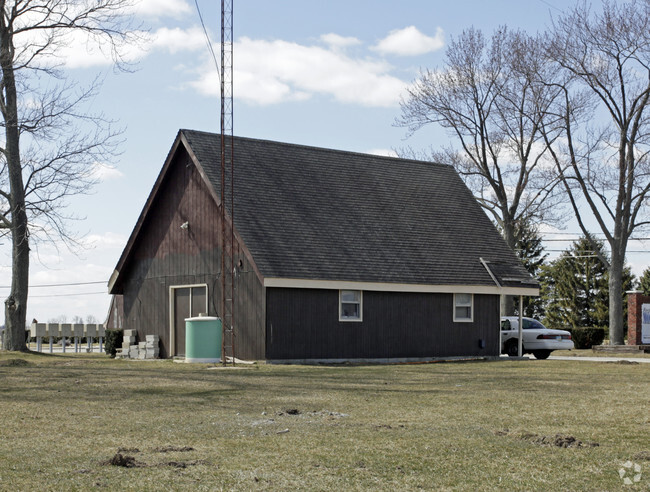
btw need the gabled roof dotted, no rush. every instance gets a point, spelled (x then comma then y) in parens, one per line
(311, 216)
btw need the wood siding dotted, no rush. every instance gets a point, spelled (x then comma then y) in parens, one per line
(167, 255)
(304, 324)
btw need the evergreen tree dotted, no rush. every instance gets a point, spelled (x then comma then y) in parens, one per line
(644, 282)
(531, 253)
(575, 288)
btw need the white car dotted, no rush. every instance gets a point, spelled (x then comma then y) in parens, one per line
(538, 340)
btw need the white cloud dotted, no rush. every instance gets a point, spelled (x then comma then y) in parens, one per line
(270, 72)
(106, 241)
(162, 8)
(410, 42)
(335, 41)
(176, 40)
(105, 172)
(79, 50)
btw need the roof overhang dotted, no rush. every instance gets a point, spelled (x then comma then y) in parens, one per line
(112, 280)
(297, 283)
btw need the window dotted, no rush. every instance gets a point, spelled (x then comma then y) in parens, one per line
(350, 305)
(463, 307)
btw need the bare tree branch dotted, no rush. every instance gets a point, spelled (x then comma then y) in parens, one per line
(489, 98)
(605, 57)
(52, 144)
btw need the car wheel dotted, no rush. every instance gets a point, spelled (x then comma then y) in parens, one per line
(512, 349)
(541, 354)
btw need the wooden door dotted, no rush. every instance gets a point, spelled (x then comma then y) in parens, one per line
(189, 302)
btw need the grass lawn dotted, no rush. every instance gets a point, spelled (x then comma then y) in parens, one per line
(445, 426)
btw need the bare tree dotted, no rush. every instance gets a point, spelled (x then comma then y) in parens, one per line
(489, 98)
(604, 59)
(50, 142)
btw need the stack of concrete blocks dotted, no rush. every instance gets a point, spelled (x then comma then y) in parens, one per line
(130, 344)
(152, 349)
(132, 349)
(142, 350)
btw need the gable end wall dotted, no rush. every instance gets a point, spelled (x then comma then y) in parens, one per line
(167, 255)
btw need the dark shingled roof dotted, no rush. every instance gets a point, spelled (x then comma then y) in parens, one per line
(320, 214)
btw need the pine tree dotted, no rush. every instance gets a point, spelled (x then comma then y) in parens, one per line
(575, 288)
(530, 250)
(644, 282)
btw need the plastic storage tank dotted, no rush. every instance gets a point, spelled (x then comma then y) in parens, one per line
(203, 339)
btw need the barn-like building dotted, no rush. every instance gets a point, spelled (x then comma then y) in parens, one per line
(339, 255)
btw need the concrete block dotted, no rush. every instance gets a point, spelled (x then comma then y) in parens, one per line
(130, 333)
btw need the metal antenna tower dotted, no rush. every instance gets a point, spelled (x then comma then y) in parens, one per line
(227, 188)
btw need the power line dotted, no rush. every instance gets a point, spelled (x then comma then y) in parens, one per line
(73, 295)
(207, 38)
(60, 285)
(550, 5)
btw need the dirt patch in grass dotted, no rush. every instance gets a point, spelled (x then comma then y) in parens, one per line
(558, 440)
(173, 449)
(14, 363)
(290, 411)
(642, 456)
(128, 450)
(123, 460)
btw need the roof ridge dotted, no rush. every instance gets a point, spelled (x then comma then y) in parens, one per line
(322, 149)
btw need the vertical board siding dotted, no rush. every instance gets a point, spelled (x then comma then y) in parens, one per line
(168, 255)
(303, 324)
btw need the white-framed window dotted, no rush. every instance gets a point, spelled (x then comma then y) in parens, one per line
(350, 305)
(463, 308)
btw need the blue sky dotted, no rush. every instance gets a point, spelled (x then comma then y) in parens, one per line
(328, 74)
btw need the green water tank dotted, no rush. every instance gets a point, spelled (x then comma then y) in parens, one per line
(203, 339)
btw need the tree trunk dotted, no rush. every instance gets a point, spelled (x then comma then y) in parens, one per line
(16, 303)
(616, 329)
(508, 301)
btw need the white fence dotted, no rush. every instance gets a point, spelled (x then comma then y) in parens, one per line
(74, 332)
